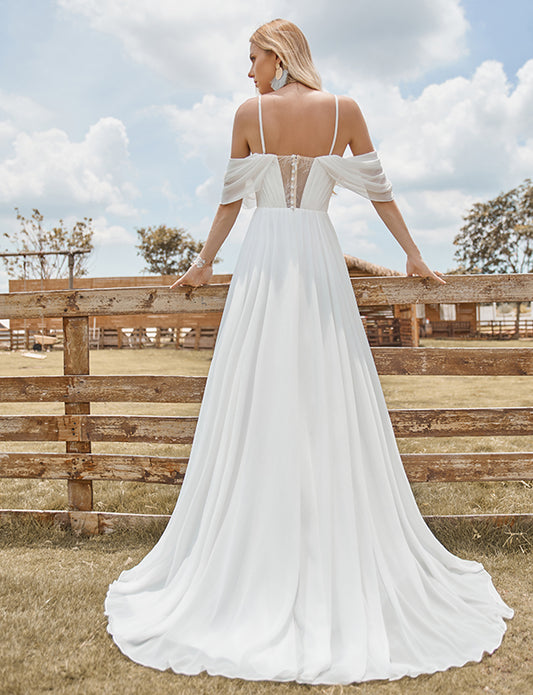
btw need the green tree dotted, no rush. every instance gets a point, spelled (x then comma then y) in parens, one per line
(497, 236)
(167, 250)
(35, 237)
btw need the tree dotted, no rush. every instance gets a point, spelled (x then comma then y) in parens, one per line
(167, 250)
(497, 236)
(34, 237)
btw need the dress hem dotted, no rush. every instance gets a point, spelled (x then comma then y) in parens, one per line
(414, 673)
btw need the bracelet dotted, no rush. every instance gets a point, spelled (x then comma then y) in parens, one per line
(199, 262)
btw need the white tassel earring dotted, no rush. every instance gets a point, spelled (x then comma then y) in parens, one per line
(280, 78)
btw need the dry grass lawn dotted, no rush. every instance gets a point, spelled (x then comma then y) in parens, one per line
(54, 638)
(53, 583)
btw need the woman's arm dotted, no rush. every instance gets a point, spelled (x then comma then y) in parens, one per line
(226, 214)
(221, 227)
(360, 142)
(392, 217)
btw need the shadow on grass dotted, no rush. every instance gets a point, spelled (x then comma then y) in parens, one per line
(459, 537)
(31, 533)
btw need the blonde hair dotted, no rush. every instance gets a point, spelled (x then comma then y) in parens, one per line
(288, 42)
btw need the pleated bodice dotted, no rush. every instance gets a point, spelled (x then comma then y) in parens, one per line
(295, 181)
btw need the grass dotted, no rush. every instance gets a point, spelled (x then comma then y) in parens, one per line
(53, 583)
(52, 588)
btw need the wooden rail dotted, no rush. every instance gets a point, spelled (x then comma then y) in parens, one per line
(77, 389)
(122, 301)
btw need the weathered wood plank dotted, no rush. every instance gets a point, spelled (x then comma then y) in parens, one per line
(458, 288)
(98, 389)
(433, 422)
(88, 467)
(518, 283)
(475, 361)
(40, 428)
(76, 362)
(462, 422)
(36, 285)
(189, 389)
(97, 428)
(113, 301)
(439, 467)
(106, 522)
(212, 297)
(463, 467)
(164, 430)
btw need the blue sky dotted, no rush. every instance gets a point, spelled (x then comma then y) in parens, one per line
(121, 110)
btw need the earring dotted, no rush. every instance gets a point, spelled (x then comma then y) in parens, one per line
(280, 78)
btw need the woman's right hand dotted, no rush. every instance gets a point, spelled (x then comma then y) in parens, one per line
(195, 277)
(416, 266)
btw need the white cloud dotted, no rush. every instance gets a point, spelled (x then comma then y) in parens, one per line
(203, 132)
(204, 45)
(352, 217)
(468, 134)
(521, 101)
(22, 110)
(107, 233)
(191, 44)
(388, 40)
(47, 166)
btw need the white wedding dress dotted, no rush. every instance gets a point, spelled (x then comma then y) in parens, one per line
(296, 550)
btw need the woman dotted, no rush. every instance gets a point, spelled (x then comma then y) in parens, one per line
(296, 550)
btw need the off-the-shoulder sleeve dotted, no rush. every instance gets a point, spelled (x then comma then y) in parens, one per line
(244, 178)
(362, 174)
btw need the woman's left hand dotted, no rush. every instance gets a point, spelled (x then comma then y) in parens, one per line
(416, 266)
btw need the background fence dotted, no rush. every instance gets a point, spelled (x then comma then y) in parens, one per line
(77, 389)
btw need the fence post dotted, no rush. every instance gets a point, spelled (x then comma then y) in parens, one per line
(76, 361)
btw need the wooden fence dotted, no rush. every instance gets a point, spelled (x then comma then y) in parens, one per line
(492, 329)
(77, 389)
(504, 329)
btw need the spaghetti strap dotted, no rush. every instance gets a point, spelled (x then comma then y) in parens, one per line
(336, 124)
(261, 124)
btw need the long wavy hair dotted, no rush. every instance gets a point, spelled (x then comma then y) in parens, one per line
(288, 42)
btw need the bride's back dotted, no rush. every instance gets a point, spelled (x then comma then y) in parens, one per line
(296, 121)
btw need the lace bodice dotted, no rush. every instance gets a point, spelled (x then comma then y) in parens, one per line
(294, 169)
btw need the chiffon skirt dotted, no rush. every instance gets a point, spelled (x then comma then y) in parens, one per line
(296, 550)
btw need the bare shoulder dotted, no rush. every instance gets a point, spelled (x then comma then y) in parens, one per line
(354, 125)
(243, 123)
(247, 111)
(350, 110)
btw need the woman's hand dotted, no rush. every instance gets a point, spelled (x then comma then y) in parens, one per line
(195, 277)
(416, 266)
